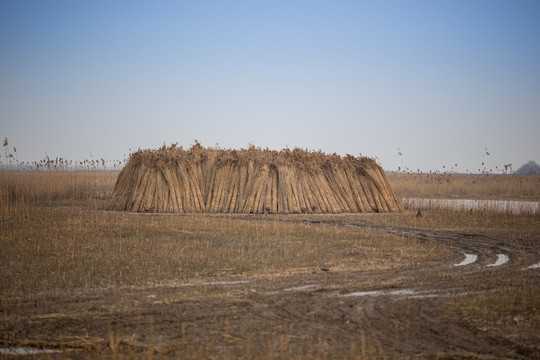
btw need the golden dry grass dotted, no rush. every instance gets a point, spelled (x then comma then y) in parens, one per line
(37, 188)
(471, 186)
(73, 248)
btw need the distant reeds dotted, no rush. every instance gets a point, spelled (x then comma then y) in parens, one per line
(252, 180)
(465, 186)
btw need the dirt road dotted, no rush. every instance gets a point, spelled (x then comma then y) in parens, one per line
(449, 309)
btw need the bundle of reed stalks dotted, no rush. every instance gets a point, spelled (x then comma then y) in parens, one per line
(171, 179)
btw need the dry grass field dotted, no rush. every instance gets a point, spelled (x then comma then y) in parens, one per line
(466, 186)
(80, 281)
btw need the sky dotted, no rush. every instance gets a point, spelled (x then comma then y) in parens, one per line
(439, 82)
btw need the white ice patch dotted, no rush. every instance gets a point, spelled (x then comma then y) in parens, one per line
(365, 293)
(535, 266)
(469, 259)
(208, 283)
(510, 206)
(26, 351)
(501, 259)
(380, 292)
(300, 288)
(424, 296)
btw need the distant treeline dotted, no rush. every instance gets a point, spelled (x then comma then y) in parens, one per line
(530, 168)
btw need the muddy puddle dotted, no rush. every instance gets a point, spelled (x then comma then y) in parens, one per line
(510, 206)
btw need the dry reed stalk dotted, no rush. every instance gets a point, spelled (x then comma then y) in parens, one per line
(351, 181)
(225, 187)
(378, 193)
(344, 190)
(231, 202)
(380, 206)
(182, 200)
(268, 193)
(364, 183)
(242, 184)
(139, 190)
(265, 193)
(373, 193)
(332, 185)
(283, 206)
(199, 183)
(258, 194)
(252, 194)
(356, 195)
(167, 192)
(193, 191)
(155, 202)
(210, 174)
(248, 189)
(323, 204)
(150, 189)
(333, 201)
(225, 198)
(217, 190)
(174, 186)
(336, 189)
(362, 197)
(251, 181)
(302, 207)
(188, 199)
(294, 205)
(235, 180)
(326, 205)
(261, 195)
(301, 195)
(124, 182)
(308, 197)
(274, 179)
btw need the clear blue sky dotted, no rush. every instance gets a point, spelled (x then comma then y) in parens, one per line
(440, 80)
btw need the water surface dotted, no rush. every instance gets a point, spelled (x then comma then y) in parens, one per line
(511, 206)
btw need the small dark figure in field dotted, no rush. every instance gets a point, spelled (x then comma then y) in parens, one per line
(419, 214)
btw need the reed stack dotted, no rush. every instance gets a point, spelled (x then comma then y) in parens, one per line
(254, 181)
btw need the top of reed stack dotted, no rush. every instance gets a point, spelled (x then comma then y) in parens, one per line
(171, 179)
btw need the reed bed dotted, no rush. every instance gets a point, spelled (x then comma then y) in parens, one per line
(466, 186)
(251, 181)
(21, 190)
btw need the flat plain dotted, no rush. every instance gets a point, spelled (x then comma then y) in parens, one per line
(81, 281)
